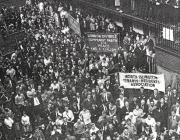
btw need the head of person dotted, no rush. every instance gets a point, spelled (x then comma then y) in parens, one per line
(56, 109)
(108, 138)
(93, 91)
(174, 91)
(173, 113)
(93, 106)
(104, 113)
(77, 94)
(126, 103)
(137, 107)
(156, 91)
(142, 89)
(94, 135)
(162, 100)
(66, 108)
(121, 96)
(134, 99)
(143, 102)
(24, 113)
(152, 103)
(39, 88)
(177, 103)
(149, 116)
(169, 87)
(122, 89)
(89, 96)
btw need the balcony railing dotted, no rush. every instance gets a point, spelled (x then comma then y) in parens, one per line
(164, 17)
(152, 10)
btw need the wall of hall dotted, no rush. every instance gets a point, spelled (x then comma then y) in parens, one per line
(169, 65)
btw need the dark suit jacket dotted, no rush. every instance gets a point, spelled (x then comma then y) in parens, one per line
(165, 111)
(172, 99)
(109, 96)
(52, 115)
(144, 108)
(143, 95)
(124, 111)
(158, 115)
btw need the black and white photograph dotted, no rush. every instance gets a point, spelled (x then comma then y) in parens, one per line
(89, 69)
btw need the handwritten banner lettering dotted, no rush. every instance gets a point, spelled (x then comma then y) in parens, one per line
(137, 80)
(103, 42)
(74, 25)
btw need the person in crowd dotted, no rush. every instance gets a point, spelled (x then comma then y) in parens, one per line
(79, 128)
(20, 100)
(120, 101)
(8, 121)
(68, 114)
(151, 122)
(112, 109)
(25, 121)
(85, 115)
(142, 94)
(126, 109)
(105, 96)
(94, 113)
(144, 107)
(173, 121)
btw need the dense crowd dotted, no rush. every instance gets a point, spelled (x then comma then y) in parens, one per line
(54, 88)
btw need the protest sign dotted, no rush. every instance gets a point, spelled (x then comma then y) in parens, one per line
(137, 80)
(74, 25)
(103, 42)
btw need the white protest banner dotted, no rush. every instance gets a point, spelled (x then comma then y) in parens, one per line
(74, 25)
(137, 80)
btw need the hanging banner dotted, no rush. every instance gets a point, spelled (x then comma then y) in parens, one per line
(103, 42)
(137, 80)
(74, 25)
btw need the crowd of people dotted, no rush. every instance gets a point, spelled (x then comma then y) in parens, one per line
(53, 87)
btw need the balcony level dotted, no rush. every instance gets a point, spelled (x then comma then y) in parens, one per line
(163, 19)
(164, 26)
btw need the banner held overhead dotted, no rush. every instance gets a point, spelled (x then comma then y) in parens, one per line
(74, 25)
(137, 80)
(107, 42)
